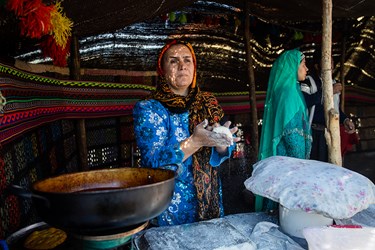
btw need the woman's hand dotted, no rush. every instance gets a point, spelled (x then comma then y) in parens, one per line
(203, 136)
(349, 126)
(223, 149)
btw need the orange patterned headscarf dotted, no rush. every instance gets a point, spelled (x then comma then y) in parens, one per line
(165, 49)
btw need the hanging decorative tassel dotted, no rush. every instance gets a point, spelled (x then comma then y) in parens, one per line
(16, 6)
(61, 25)
(51, 49)
(36, 20)
(34, 17)
(297, 35)
(183, 18)
(172, 16)
(45, 22)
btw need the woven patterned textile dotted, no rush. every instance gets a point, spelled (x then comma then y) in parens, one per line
(33, 100)
(51, 150)
(38, 154)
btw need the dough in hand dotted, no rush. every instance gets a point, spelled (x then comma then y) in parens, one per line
(223, 130)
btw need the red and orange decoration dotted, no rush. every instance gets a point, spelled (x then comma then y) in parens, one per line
(47, 23)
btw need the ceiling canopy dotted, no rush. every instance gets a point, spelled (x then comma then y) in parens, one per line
(128, 34)
(97, 16)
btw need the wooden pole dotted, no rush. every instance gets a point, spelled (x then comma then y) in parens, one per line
(75, 66)
(252, 96)
(332, 134)
(342, 62)
(75, 74)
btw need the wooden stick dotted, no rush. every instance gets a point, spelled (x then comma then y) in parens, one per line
(251, 79)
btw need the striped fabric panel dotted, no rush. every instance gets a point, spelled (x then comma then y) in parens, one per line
(33, 100)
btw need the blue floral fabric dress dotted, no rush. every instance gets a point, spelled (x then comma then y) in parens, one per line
(158, 133)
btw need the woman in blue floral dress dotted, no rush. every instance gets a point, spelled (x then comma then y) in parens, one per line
(174, 126)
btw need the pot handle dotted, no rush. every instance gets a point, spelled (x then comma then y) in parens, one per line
(176, 167)
(24, 193)
(171, 166)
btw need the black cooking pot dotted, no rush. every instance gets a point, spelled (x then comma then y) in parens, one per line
(99, 201)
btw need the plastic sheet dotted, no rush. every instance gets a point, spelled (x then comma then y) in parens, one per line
(213, 234)
(240, 231)
(268, 236)
(332, 238)
(234, 232)
(364, 218)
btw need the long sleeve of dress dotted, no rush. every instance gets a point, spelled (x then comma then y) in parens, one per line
(312, 99)
(159, 133)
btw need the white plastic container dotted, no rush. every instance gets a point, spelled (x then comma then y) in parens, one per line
(293, 222)
(331, 238)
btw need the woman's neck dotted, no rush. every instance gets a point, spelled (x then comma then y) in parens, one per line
(181, 92)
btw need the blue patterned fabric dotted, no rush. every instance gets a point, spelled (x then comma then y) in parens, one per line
(158, 133)
(293, 143)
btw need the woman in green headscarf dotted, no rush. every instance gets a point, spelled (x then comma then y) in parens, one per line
(285, 129)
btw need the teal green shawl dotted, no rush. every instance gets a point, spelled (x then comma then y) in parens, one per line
(284, 102)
